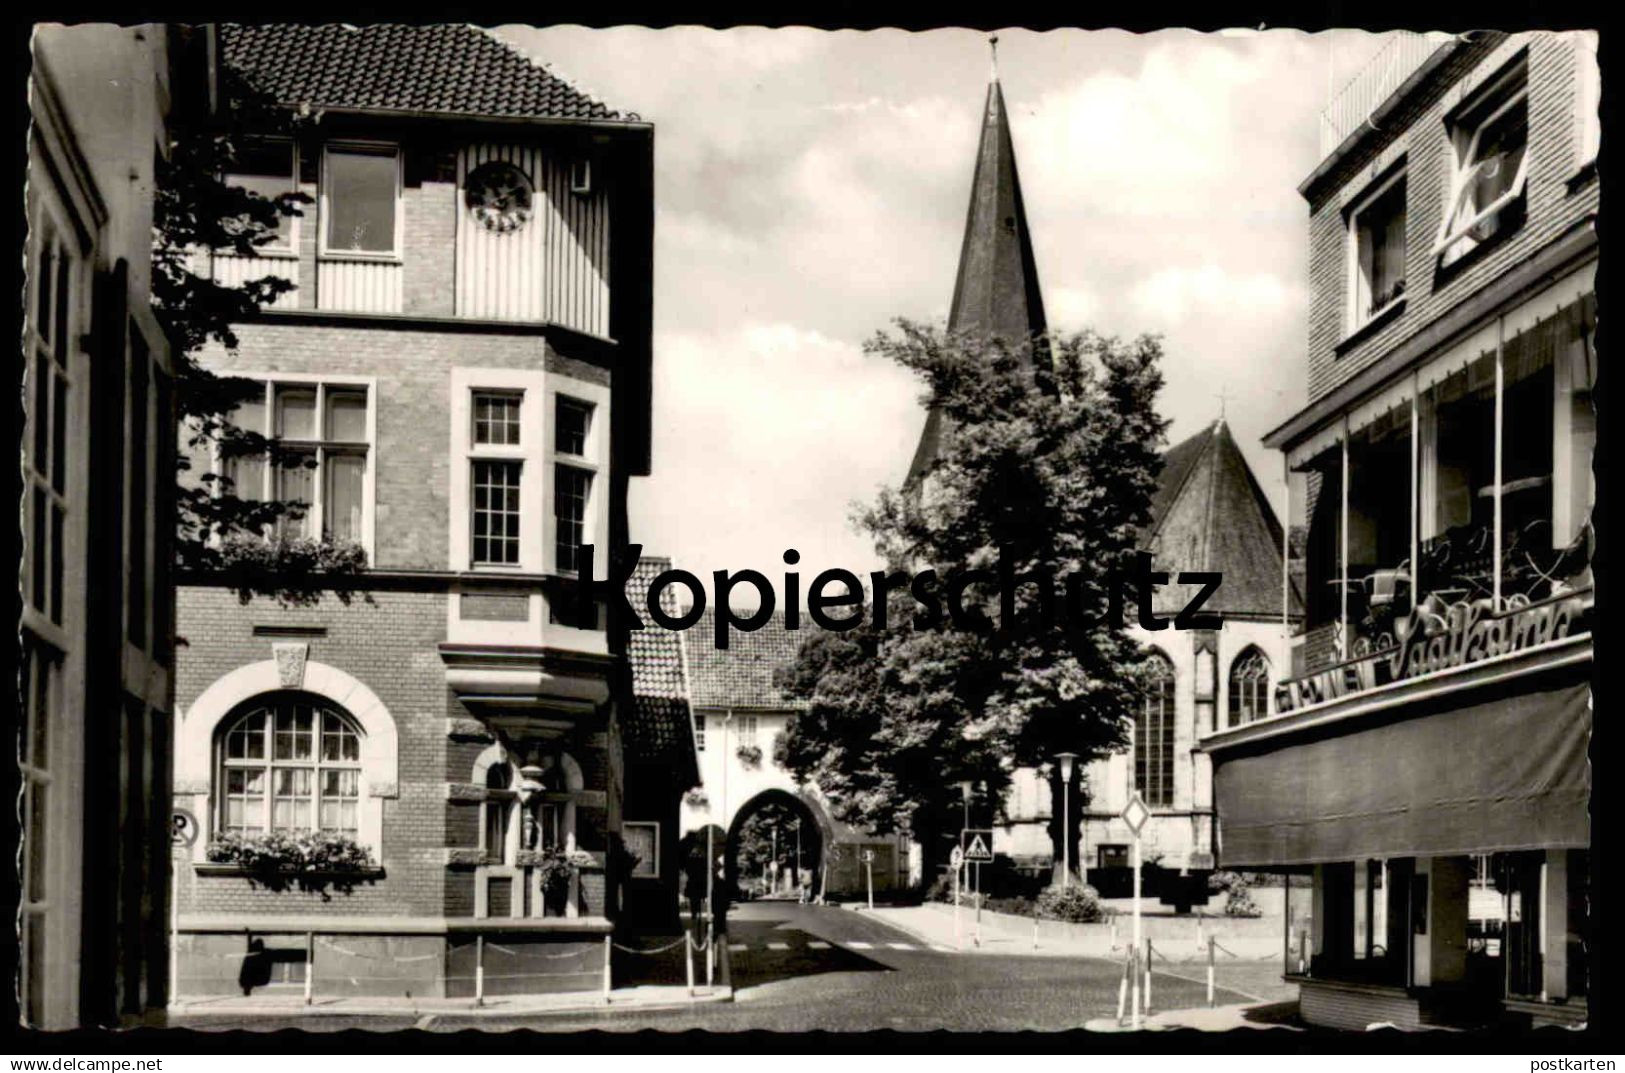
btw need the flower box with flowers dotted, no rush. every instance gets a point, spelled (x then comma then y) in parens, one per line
(282, 855)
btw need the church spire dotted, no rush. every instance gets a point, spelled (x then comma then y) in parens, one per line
(996, 291)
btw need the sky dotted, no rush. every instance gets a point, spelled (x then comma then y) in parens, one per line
(810, 186)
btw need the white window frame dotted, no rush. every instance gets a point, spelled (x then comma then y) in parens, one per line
(655, 863)
(1464, 146)
(393, 256)
(536, 452)
(313, 517)
(291, 250)
(581, 175)
(594, 460)
(500, 452)
(269, 764)
(1355, 317)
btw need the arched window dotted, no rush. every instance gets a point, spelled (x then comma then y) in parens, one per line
(1154, 737)
(499, 802)
(1249, 687)
(290, 762)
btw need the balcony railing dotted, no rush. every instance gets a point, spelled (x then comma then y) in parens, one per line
(1377, 80)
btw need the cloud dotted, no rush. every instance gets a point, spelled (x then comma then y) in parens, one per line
(1176, 293)
(765, 437)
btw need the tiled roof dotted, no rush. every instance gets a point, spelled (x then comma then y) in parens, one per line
(742, 675)
(658, 728)
(446, 68)
(1210, 514)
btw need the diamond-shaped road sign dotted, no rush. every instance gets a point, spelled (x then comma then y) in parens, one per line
(978, 845)
(1135, 813)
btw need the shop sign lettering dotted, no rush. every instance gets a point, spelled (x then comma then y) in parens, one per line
(1427, 640)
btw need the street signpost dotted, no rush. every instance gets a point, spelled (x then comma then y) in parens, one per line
(957, 860)
(1135, 814)
(978, 845)
(183, 831)
(869, 871)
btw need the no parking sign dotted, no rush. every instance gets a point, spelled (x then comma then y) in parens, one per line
(183, 828)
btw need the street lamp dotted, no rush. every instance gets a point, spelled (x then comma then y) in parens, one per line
(1066, 760)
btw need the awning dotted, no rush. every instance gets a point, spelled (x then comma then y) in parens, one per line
(1504, 773)
(1564, 294)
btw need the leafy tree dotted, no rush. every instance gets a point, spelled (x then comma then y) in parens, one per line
(196, 213)
(1048, 473)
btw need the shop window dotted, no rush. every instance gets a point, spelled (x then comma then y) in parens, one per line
(1379, 526)
(1489, 139)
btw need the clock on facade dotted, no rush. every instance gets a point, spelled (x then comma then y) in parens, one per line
(499, 195)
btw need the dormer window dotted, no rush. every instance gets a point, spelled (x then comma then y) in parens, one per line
(361, 192)
(581, 176)
(1377, 245)
(1491, 139)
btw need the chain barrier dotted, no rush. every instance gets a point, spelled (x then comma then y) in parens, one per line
(1220, 947)
(657, 950)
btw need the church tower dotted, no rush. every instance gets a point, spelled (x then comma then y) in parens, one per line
(996, 291)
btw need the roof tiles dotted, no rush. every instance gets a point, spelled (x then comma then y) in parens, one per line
(446, 68)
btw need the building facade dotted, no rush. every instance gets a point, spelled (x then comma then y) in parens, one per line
(1210, 514)
(739, 715)
(462, 376)
(1427, 759)
(97, 625)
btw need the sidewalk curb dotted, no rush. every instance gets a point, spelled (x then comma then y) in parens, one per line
(498, 1009)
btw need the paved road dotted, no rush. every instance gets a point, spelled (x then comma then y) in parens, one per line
(798, 968)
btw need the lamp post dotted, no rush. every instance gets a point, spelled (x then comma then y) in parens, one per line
(1066, 760)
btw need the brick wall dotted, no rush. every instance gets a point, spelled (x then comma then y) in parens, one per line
(429, 234)
(1421, 136)
(390, 644)
(413, 368)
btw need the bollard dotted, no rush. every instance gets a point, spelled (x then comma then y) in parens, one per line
(1134, 989)
(1122, 990)
(608, 952)
(479, 970)
(310, 963)
(688, 961)
(1114, 930)
(1148, 974)
(710, 954)
(1035, 929)
(1210, 941)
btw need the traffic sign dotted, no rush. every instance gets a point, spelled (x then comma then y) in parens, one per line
(1135, 813)
(957, 857)
(868, 856)
(978, 844)
(183, 828)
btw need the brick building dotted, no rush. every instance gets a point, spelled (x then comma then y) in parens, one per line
(1427, 759)
(96, 619)
(464, 367)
